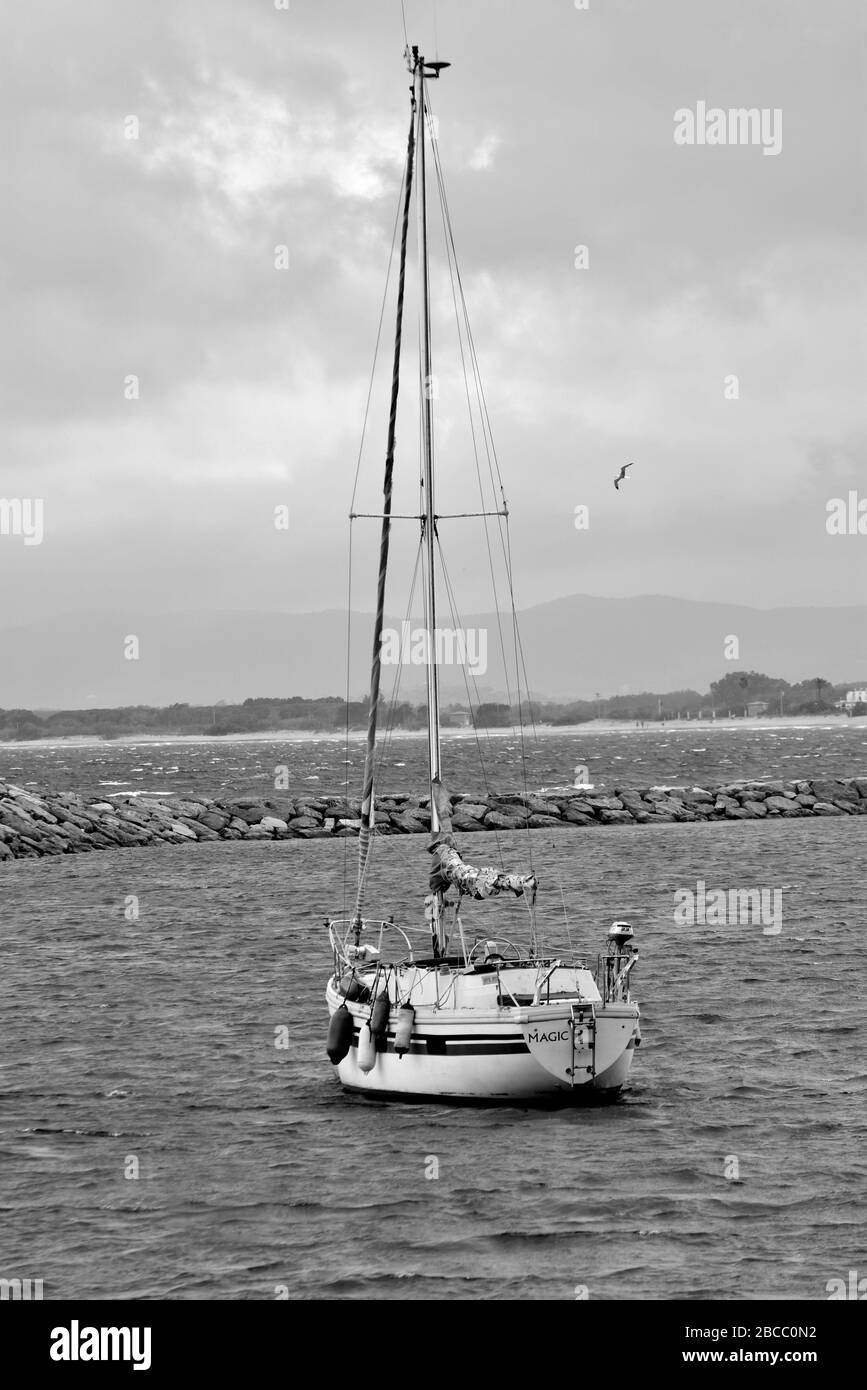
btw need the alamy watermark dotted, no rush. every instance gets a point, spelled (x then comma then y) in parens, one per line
(846, 516)
(855, 1289)
(740, 125)
(729, 907)
(23, 516)
(23, 1290)
(450, 647)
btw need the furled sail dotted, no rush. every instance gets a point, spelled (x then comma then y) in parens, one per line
(450, 870)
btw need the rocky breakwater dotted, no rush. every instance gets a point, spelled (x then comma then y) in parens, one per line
(39, 823)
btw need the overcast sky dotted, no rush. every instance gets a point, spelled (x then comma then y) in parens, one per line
(260, 127)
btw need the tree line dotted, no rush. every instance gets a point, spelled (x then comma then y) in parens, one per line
(732, 695)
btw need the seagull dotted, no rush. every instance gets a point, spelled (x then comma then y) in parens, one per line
(621, 475)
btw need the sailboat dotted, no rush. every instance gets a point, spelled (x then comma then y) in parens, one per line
(468, 1018)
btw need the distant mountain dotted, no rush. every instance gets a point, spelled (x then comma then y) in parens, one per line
(573, 646)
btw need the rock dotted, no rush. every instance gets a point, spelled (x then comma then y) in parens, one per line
(16, 820)
(782, 804)
(182, 831)
(298, 823)
(834, 791)
(827, 808)
(806, 800)
(574, 816)
(539, 821)
(738, 813)
(34, 807)
(497, 820)
(134, 818)
(251, 815)
(215, 820)
(5, 851)
(605, 803)
(514, 809)
(464, 824)
(257, 832)
(614, 817)
(343, 810)
(201, 832)
(476, 810)
(756, 808)
(274, 825)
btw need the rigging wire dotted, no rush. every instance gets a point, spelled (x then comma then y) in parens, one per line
(456, 619)
(379, 332)
(352, 503)
(346, 734)
(384, 744)
(493, 464)
(491, 569)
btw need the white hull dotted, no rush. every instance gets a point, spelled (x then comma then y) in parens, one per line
(553, 1052)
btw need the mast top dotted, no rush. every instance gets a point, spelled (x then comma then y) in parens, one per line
(414, 60)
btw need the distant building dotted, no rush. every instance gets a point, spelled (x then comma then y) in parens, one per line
(855, 697)
(756, 707)
(460, 718)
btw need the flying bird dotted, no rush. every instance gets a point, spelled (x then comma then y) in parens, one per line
(621, 475)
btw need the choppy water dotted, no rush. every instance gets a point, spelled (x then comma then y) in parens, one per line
(154, 1040)
(689, 752)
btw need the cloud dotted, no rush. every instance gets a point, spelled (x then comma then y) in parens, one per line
(260, 128)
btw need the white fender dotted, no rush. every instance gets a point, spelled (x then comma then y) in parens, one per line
(366, 1048)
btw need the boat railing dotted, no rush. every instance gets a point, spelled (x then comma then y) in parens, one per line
(351, 939)
(612, 975)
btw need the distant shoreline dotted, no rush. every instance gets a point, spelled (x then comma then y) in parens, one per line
(593, 726)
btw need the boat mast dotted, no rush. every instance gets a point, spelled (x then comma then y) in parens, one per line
(429, 520)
